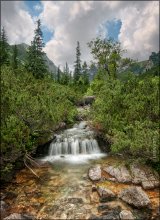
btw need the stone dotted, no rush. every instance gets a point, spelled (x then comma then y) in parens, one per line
(111, 213)
(3, 206)
(112, 179)
(135, 196)
(63, 216)
(148, 178)
(121, 173)
(105, 193)
(94, 188)
(94, 198)
(95, 173)
(75, 200)
(126, 214)
(14, 216)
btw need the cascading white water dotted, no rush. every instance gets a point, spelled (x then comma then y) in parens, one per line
(75, 144)
(78, 140)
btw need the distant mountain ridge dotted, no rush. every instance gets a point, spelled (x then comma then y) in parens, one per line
(22, 53)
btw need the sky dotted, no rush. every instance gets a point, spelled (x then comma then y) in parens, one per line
(135, 24)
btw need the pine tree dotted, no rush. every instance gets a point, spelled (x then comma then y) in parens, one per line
(15, 57)
(85, 73)
(35, 59)
(4, 57)
(58, 75)
(77, 66)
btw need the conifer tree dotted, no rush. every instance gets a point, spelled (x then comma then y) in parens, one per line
(15, 57)
(35, 59)
(4, 57)
(58, 75)
(77, 66)
(85, 73)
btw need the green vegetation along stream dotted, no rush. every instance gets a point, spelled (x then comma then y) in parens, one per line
(64, 189)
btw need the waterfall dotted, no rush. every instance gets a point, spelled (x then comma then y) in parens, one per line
(78, 140)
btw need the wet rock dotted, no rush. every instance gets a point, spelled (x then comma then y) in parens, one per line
(75, 200)
(111, 210)
(95, 173)
(14, 216)
(83, 125)
(103, 207)
(125, 214)
(112, 179)
(3, 206)
(143, 214)
(94, 198)
(105, 194)
(85, 177)
(120, 173)
(63, 216)
(112, 215)
(108, 215)
(146, 177)
(19, 216)
(94, 188)
(156, 214)
(94, 217)
(10, 195)
(135, 196)
(87, 207)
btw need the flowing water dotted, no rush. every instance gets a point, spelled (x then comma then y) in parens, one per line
(75, 145)
(63, 190)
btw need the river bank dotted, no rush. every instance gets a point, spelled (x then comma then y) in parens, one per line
(66, 191)
(77, 183)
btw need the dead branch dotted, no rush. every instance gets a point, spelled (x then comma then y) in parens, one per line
(30, 168)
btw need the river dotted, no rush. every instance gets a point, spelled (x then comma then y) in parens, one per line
(63, 189)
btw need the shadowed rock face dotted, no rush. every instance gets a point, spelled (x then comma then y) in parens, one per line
(87, 100)
(105, 194)
(135, 196)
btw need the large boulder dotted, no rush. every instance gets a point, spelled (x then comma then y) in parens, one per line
(105, 194)
(125, 214)
(135, 196)
(121, 173)
(95, 173)
(146, 177)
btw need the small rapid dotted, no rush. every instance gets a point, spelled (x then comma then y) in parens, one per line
(77, 144)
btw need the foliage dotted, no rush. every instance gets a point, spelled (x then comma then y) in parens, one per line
(4, 57)
(128, 115)
(35, 56)
(77, 66)
(107, 53)
(32, 109)
(15, 57)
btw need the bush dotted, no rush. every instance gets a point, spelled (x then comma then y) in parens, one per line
(127, 113)
(31, 111)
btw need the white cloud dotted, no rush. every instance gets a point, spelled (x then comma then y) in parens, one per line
(83, 20)
(17, 22)
(139, 32)
(73, 21)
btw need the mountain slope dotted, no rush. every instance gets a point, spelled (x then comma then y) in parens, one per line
(22, 53)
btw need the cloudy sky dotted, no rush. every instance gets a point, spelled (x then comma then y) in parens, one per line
(134, 23)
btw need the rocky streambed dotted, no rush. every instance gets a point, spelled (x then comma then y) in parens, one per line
(96, 189)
